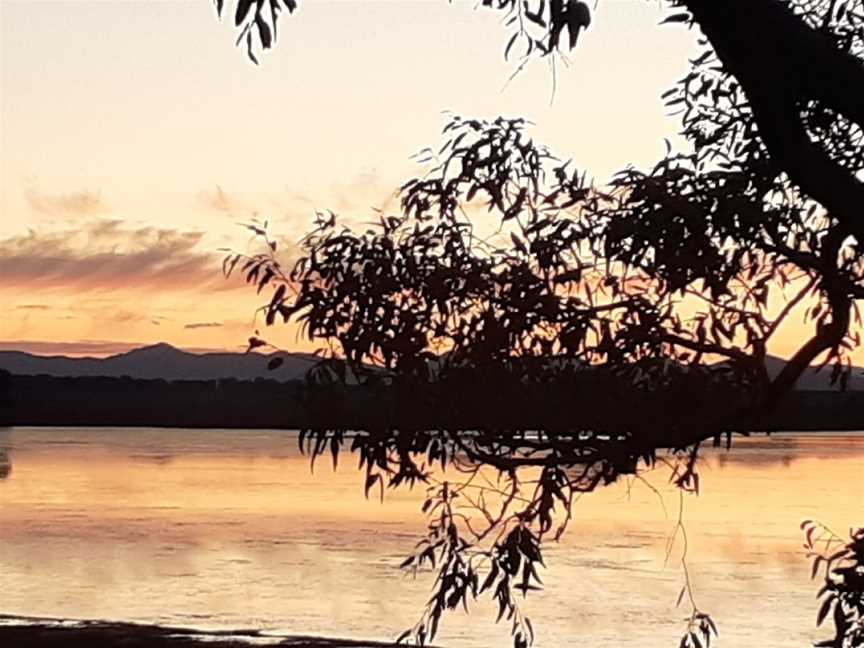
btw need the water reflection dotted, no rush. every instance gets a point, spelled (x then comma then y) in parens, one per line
(5, 457)
(215, 529)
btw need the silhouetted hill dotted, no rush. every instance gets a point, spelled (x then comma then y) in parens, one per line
(165, 362)
(160, 361)
(813, 380)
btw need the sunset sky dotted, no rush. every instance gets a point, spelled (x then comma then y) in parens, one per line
(135, 137)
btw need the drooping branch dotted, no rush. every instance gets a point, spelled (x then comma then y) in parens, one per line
(789, 307)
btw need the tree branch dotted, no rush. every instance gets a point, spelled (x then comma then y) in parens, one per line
(790, 305)
(826, 337)
(782, 64)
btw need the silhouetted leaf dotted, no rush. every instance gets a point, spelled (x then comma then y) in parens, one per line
(676, 18)
(275, 363)
(824, 609)
(242, 10)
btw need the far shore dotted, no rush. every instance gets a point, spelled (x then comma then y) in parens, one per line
(25, 632)
(37, 401)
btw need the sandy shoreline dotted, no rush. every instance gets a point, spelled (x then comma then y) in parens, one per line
(23, 632)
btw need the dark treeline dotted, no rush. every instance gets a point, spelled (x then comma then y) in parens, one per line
(89, 401)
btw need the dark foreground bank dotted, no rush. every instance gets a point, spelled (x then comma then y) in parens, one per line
(38, 633)
(268, 404)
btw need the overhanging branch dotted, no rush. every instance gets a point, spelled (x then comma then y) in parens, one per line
(782, 64)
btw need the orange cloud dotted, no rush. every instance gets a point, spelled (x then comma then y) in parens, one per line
(106, 255)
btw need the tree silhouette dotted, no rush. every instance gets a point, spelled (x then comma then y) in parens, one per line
(644, 305)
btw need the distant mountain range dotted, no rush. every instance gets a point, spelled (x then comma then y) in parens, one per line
(169, 363)
(161, 361)
(813, 380)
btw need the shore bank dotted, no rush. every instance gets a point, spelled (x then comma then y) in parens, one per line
(21, 632)
(39, 401)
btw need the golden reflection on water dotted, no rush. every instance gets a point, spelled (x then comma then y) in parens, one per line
(222, 528)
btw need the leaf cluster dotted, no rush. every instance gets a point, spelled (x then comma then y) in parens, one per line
(257, 17)
(537, 24)
(841, 564)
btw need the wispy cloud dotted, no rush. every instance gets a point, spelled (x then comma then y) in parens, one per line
(363, 193)
(75, 203)
(355, 199)
(33, 307)
(219, 200)
(122, 316)
(294, 207)
(201, 325)
(107, 255)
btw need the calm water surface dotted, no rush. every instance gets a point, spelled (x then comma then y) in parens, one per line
(228, 529)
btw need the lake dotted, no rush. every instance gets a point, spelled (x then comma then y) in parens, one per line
(230, 528)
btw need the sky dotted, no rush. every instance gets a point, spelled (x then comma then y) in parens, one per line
(134, 137)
